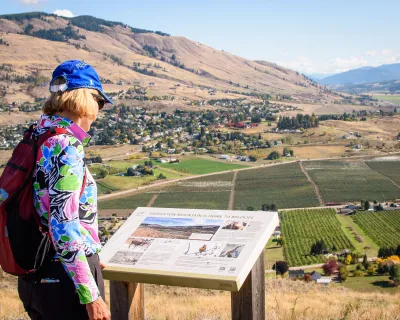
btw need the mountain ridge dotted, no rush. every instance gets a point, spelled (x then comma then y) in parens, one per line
(368, 74)
(170, 68)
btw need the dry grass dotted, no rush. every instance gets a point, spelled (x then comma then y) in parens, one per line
(285, 300)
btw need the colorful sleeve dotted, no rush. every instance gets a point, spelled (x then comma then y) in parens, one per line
(65, 182)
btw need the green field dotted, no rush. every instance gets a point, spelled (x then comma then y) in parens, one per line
(344, 181)
(362, 243)
(193, 200)
(302, 228)
(272, 253)
(200, 166)
(390, 98)
(210, 192)
(284, 185)
(128, 202)
(390, 169)
(383, 227)
(370, 284)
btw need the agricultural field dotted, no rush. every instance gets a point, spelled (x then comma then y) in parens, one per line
(284, 185)
(193, 200)
(210, 192)
(201, 166)
(390, 98)
(345, 181)
(129, 202)
(389, 167)
(302, 228)
(382, 227)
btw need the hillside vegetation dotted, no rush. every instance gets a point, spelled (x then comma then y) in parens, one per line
(126, 56)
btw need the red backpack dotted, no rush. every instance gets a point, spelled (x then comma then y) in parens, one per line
(23, 243)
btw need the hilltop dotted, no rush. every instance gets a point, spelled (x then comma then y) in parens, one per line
(169, 69)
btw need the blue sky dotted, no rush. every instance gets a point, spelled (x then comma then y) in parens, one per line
(309, 35)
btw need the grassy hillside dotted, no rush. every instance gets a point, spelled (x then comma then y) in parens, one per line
(38, 42)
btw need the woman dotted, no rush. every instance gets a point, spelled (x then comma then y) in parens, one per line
(69, 285)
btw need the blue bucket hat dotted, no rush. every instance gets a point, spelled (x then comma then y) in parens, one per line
(77, 74)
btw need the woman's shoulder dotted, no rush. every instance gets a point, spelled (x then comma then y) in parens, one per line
(64, 142)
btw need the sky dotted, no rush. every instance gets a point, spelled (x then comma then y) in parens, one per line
(310, 36)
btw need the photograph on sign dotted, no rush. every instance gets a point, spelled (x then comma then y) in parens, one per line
(212, 249)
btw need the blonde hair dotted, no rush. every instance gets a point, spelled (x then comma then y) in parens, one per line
(78, 101)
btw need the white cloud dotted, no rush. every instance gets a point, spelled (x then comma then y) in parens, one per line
(62, 13)
(341, 65)
(29, 2)
(301, 63)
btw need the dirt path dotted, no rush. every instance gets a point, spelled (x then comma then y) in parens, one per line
(152, 200)
(232, 196)
(316, 189)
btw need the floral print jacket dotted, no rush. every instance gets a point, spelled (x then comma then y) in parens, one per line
(72, 221)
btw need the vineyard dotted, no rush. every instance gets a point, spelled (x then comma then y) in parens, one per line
(390, 169)
(210, 192)
(382, 227)
(129, 202)
(302, 228)
(284, 185)
(344, 181)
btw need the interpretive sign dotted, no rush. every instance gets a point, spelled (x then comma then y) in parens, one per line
(209, 249)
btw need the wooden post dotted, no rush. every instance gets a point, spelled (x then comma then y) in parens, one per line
(126, 300)
(249, 302)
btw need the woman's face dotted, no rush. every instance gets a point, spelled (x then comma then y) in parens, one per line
(96, 105)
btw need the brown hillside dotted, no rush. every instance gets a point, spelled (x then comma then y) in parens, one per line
(204, 69)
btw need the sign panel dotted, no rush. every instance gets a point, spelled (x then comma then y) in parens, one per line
(209, 249)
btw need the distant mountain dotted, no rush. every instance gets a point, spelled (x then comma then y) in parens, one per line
(383, 73)
(318, 76)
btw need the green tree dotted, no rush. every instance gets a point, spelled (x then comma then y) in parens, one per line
(367, 205)
(365, 262)
(274, 155)
(395, 274)
(280, 242)
(343, 273)
(281, 267)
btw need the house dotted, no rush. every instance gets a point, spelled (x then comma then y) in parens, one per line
(224, 157)
(296, 273)
(276, 233)
(324, 280)
(346, 210)
(315, 275)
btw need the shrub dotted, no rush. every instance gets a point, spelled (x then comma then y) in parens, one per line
(358, 273)
(343, 273)
(281, 267)
(395, 274)
(307, 278)
(360, 267)
(330, 266)
(371, 271)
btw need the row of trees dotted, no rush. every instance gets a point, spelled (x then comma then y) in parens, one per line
(299, 121)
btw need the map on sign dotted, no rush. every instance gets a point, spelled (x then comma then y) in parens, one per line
(209, 249)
